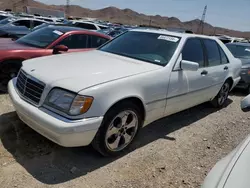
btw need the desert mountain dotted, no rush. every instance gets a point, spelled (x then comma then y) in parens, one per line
(128, 16)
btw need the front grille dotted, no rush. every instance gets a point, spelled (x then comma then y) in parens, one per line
(29, 87)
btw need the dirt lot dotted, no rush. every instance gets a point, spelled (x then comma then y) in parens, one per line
(174, 152)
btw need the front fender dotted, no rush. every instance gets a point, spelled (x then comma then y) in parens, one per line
(146, 87)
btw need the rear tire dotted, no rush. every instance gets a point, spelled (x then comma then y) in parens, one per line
(8, 70)
(221, 98)
(119, 128)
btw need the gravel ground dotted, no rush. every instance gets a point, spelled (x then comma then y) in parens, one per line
(177, 151)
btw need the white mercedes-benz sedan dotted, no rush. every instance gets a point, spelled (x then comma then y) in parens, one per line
(104, 97)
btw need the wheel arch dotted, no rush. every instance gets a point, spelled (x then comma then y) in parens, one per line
(231, 81)
(137, 100)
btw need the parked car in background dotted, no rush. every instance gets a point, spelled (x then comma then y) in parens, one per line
(233, 170)
(10, 31)
(15, 32)
(7, 20)
(88, 25)
(45, 41)
(227, 39)
(179, 30)
(105, 96)
(49, 20)
(242, 51)
(113, 32)
(4, 16)
(29, 23)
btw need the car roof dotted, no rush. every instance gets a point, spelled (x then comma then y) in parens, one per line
(89, 22)
(240, 44)
(165, 32)
(23, 18)
(82, 21)
(66, 29)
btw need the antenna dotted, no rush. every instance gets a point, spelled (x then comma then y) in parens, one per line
(201, 25)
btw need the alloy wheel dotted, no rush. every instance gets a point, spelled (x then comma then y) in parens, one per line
(121, 130)
(223, 93)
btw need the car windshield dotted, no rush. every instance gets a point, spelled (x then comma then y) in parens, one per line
(3, 17)
(40, 26)
(239, 51)
(6, 21)
(41, 38)
(150, 47)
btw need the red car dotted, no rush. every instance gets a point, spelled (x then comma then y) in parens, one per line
(45, 41)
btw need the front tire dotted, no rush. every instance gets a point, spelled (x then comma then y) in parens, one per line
(221, 98)
(118, 130)
(8, 70)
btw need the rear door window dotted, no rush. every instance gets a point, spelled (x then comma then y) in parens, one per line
(97, 41)
(37, 23)
(76, 41)
(26, 23)
(193, 51)
(86, 26)
(102, 27)
(213, 53)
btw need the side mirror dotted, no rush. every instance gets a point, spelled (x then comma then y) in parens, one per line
(60, 48)
(245, 104)
(189, 65)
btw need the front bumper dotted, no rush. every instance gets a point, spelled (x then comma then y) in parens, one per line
(65, 132)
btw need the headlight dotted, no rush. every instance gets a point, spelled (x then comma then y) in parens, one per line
(68, 102)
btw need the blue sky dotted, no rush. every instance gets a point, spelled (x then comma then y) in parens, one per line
(232, 14)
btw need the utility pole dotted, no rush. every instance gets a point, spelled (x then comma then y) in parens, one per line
(201, 25)
(67, 11)
(25, 4)
(15, 4)
(214, 30)
(150, 21)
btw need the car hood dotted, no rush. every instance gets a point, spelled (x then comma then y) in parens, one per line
(9, 44)
(78, 71)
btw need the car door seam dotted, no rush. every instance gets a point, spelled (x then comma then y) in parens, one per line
(167, 98)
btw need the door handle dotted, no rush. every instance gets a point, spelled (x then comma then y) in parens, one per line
(204, 72)
(226, 68)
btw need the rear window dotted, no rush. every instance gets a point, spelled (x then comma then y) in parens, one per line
(239, 51)
(85, 26)
(149, 47)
